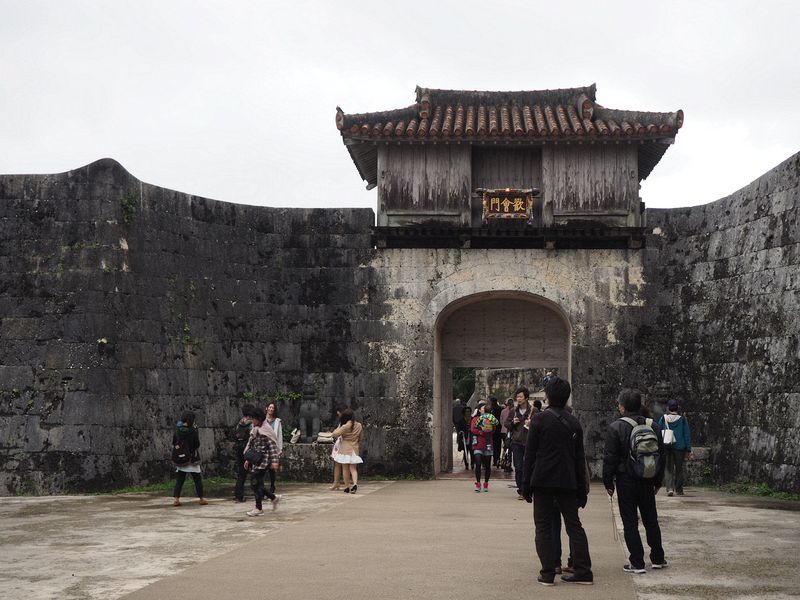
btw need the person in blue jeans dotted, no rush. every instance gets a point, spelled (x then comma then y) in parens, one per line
(679, 450)
(517, 424)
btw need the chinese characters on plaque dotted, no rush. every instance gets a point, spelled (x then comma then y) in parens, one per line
(509, 203)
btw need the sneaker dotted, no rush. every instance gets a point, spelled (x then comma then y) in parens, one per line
(486, 486)
(543, 581)
(255, 512)
(575, 579)
(662, 565)
(275, 501)
(669, 493)
(632, 569)
(477, 487)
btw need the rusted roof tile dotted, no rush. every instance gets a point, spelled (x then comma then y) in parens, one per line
(590, 127)
(541, 126)
(614, 127)
(412, 128)
(458, 127)
(422, 130)
(573, 118)
(481, 120)
(638, 128)
(492, 120)
(398, 131)
(469, 129)
(505, 120)
(562, 120)
(627, 129)
(528, 120)
(552, 124)
(436, 123)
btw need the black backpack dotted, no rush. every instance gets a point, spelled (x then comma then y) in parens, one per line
(242, 433)
(181, 454)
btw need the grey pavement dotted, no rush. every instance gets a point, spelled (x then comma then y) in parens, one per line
(424, 539)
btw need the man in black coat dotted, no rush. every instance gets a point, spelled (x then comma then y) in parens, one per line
(634, 493)
(554, 479)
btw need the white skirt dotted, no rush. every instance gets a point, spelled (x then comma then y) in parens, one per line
(348, 459)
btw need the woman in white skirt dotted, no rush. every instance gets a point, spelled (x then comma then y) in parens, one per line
(350, 432)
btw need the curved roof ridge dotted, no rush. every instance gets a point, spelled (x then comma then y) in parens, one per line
(558, 95)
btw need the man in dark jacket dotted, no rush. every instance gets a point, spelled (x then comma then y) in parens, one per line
(633, 493)
(517, 426)
(242, 435)
(554, 479)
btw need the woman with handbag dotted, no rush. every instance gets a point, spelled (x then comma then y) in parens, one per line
(186, 456)
(350, 431)
(260, 454)
(677, 447)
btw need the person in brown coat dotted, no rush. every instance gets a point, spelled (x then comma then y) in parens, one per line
(350, 431)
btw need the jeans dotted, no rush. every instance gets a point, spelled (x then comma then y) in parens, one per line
(673, 476)
(257, 483)
(241, 475)
(518, 456)
(181, 477)
(633, 495)
(547, 503)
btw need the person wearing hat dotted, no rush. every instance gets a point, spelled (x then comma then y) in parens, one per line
(677, 445)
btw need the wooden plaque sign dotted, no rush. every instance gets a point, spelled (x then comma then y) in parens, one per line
(508, 203)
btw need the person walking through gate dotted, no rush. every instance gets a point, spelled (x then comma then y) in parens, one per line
(677, 446)
(497, 439)
(554, 479)
(482, 427)
(517, 425)
(632, 458)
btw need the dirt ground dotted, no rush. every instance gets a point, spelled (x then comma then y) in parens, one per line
(87, 547)
(84, 547)
(723, 546)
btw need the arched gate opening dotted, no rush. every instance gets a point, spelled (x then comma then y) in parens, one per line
(493, 330)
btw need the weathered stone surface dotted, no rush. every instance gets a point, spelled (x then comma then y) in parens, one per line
(123, 304)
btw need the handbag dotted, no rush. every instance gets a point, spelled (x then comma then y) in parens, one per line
(253, 456)
(667, 434)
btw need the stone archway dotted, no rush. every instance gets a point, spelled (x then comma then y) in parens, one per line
(495, 330)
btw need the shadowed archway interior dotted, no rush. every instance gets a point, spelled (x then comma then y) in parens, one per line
(494, 331)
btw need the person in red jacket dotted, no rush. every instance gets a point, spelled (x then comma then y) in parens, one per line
(482, 428)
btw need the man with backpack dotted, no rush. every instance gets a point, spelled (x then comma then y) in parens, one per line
(634, 459)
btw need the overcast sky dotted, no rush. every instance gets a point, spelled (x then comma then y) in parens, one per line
(236, 100)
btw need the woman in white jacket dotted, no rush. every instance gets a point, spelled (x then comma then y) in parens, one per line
(274, 422)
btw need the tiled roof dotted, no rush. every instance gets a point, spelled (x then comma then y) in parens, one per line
(533, 117)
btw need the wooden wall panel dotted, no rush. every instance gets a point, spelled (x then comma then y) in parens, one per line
(506, 333)
(424, 180)
(506, 167)
(591, 178)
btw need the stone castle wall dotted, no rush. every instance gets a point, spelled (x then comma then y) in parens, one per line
(723, 329)
(122, 304)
